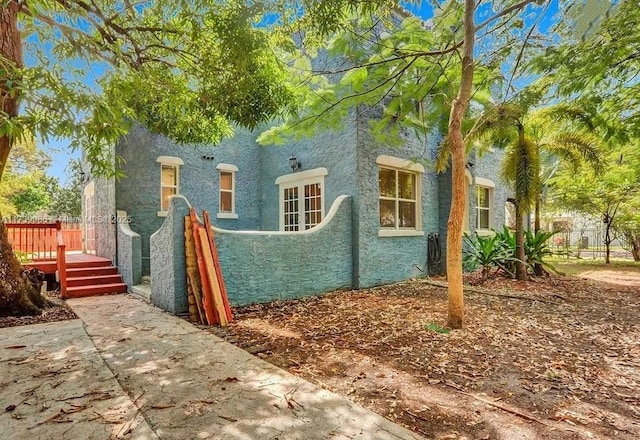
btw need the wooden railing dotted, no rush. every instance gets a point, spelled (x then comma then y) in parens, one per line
(62, 263)
(41, 242)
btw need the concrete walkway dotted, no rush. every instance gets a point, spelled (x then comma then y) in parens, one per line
(55, 385)
(189, 384)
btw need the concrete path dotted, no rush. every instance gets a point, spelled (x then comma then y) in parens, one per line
(55, 385)
(189, 384)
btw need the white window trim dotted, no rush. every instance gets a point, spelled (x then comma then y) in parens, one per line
(397, 164)
(303, 175)
(401, 164)
(227, 168)
(466, 224)
(481, 182)
(171, 161)
(300, 179)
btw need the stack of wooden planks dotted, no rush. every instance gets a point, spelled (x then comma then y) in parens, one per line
(208, 302)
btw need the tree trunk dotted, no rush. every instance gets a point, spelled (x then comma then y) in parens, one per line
(537, 267)
(521, 198)
(536, 224)
(458, 159)
(635, 249)
(17, 295)
(11, 51)
(607, 242)
(521, 268)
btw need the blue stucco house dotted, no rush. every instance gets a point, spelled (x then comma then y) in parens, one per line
(338, 210)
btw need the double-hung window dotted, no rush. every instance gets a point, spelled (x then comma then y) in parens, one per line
(399, 184)
(169, 181)
(301, 199)
(484, 203)
(227, 196)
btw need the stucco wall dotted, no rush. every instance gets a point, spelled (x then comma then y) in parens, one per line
(268, 266)
(168, 264)
(488, 166)
(129, 252)
(139, 192)
(334, 150)
(388, 259)
(105, 223)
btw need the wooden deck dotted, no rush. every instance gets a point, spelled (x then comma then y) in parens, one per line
(74, 260)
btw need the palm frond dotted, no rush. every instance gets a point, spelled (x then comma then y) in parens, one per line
(576, 147)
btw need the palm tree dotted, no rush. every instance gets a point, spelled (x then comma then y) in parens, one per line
(526, 139)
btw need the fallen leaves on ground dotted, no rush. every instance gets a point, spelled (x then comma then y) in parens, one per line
(570, 366)
(56, 310)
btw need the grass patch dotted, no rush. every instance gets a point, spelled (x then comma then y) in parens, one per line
(574, 266)
(436, 328)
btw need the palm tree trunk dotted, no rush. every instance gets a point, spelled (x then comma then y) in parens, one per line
(521, 268)
(458, 159)
(536, 224)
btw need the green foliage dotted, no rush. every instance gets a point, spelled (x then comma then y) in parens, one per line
(32, 199)
(25, 188)
(537, 250)
(23, 257)
(436, 328)
(66, 200)
(401, 73)
(488, 253)
(189, 70)
(599, 72)
(499, 251)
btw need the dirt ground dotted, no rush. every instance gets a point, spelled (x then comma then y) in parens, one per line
(56, 310)
(557, 358)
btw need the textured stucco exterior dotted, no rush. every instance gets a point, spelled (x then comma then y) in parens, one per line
(351, 250)
(310, 262)
(129, 251)
(388, 259)
(139, 192)
(168, 264)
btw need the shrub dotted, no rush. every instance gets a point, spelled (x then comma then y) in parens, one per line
(499, 251)
(487, 253)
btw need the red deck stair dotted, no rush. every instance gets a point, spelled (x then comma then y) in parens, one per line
(88, 275)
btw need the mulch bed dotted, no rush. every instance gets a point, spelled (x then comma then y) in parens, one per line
(562, 367)
(56, 310)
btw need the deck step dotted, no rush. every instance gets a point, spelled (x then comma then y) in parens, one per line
(91, 271)
(96, 289)
(86, 264)
(93, 280)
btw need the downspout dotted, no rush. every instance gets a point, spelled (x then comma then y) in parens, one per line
(355, 216)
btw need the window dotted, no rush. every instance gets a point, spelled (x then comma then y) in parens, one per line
(169, 181)
(301, 199)
(227, 196)
(484, 203)
(399, 196)
(483, 207)
(169, 185)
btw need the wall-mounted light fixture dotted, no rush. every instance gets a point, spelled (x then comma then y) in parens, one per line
(294, 163)
(82, 175)
(469, 165)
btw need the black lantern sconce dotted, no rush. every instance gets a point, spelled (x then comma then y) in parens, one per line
(82, 175)
(294, 163)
